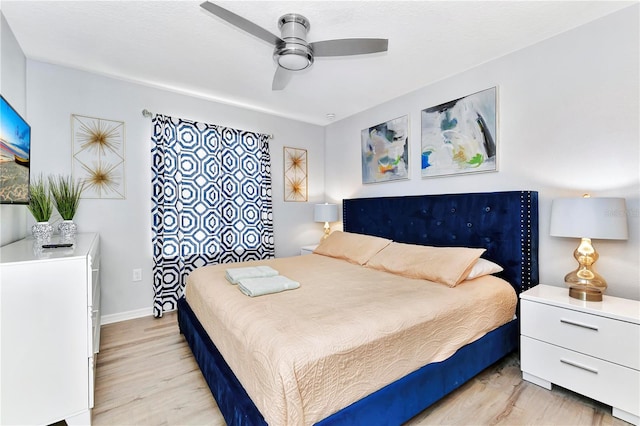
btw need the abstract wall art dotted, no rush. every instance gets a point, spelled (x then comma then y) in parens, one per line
(385, 151)
(460, 136)
(295, 174)
(98, 156)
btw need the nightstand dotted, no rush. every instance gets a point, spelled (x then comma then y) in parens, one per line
(308, 249)
(592, 348)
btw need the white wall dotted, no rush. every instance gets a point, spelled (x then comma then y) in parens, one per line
(568, 124)
(56, 92)
(13, 86)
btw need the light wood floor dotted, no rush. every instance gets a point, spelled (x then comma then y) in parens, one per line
(146, 375)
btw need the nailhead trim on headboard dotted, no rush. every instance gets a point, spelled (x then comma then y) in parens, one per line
(529, 279)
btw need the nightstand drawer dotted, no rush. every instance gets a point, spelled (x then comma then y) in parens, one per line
(609, 383)
(604, 338)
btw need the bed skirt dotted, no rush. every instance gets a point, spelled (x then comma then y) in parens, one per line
(392, 405)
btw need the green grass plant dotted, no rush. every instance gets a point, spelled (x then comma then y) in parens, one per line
(66, 195)
(40, 204)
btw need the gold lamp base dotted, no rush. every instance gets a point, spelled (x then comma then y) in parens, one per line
(327, 231)
(585, 283)
(586, 293)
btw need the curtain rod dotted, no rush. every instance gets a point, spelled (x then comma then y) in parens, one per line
(147, 114)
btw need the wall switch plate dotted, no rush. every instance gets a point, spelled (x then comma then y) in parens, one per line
(137, 275)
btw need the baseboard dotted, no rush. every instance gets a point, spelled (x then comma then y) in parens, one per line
(124, 316)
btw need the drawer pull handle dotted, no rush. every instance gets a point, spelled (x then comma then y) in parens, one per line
(582, 367)
(579, 324)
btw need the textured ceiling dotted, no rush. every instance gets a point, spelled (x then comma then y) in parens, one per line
(178, 46)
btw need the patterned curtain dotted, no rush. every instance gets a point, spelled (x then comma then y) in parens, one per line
(211, 201)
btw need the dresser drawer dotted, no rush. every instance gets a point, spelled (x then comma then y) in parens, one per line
(604, 381)
(92, 380)
(95, 325)
(605, 338)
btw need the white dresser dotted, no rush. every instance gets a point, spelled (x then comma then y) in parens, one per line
(592, 348)
(50, 323)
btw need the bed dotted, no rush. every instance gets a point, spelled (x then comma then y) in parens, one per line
(505, 224)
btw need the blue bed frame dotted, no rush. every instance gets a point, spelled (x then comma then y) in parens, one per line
(505, 223)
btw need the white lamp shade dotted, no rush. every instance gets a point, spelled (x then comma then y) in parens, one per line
(598, 218)
(325, 212)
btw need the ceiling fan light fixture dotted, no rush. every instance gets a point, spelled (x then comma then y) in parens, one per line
(293, 56)
(294, 61)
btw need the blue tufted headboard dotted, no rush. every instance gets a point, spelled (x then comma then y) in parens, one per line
(505, 223)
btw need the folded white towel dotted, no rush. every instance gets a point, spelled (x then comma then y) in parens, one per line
(259, 286)
(233, 275)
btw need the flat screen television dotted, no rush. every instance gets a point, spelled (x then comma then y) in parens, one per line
(15, 154)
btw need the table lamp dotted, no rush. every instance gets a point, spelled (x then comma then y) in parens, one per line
(325, 213)
(588, 218)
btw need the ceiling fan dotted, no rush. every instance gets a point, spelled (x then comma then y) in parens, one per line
(292, 52)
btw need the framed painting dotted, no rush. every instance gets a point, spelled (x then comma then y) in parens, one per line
(295, 174)
(460, 136)
(98, 156)
(385, 151)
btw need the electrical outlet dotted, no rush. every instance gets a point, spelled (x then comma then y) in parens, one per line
(137, 275)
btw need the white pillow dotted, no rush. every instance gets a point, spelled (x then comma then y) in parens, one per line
(483, 267)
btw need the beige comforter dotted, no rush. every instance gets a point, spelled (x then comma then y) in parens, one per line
(304, 354)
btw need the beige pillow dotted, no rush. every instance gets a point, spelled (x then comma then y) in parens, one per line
(446, 265)
(355, 248)
(483, 267)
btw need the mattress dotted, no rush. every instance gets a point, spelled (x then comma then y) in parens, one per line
(304, 354)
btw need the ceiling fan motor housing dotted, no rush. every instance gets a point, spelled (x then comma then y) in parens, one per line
(295, 54)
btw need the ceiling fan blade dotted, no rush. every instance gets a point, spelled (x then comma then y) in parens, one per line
(281, 78)
(349, 46)
(242, 23)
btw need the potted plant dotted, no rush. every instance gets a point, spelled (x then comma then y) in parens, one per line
(66, 197)
(41, 208)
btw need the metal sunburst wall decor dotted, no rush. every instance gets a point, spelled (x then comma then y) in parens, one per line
(295, 174)
(98, 156)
